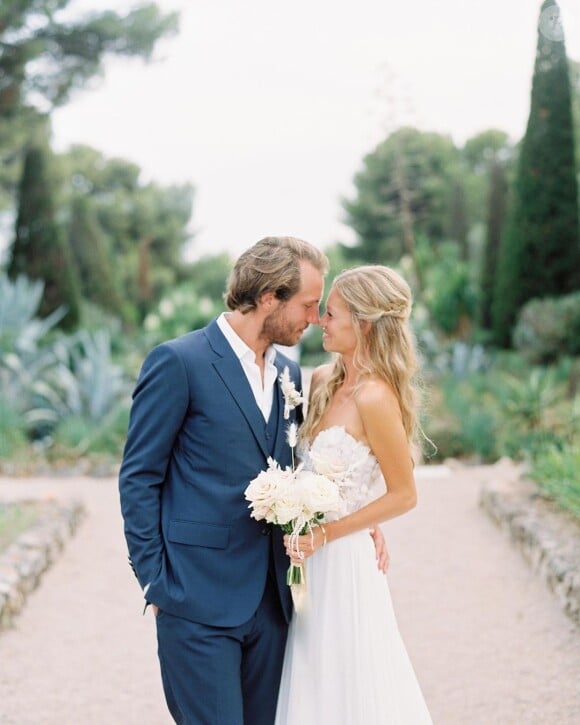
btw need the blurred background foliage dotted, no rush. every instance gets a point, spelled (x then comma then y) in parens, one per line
(96, 269)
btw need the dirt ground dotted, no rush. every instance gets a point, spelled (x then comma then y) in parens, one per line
(488, 640)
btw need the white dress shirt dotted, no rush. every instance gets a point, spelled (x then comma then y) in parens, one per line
(263, 393)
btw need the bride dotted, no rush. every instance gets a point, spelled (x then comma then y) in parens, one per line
(345, 662)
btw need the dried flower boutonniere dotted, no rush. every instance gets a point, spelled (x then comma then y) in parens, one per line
(292, 397)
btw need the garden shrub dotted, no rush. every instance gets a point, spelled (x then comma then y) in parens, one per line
(12, 432)
(474, 412)
(15, 519)
(549, 328)
(555, 470)
(180, 311)
(78, 435)
(449, 292)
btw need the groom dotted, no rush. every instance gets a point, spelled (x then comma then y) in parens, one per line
(207, 413)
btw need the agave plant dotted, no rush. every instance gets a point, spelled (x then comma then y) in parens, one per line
(100, 381)
(536, 410)
(85, 390)
(20, 329)
(527, 399)
(46, 381)
(84, 381)
(23, 358)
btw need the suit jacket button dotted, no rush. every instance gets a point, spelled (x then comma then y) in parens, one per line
(265, 531)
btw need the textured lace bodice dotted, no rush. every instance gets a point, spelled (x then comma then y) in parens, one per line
(334, 453)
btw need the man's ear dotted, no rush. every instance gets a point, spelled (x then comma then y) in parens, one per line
(267, 301)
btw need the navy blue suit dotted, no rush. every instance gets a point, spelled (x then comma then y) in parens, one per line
(196, 438)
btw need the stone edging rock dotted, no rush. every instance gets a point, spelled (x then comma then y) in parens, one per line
(24, 562)
(547, 536)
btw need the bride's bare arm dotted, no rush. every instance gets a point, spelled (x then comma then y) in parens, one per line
(381, 418)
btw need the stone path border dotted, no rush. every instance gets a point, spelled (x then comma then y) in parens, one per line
(547, 536)
(23, 562)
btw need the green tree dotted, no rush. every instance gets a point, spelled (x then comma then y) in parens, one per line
(39, 251)
(92, 258)
(15, 133)
(44, 54)
(145, 225)
(574, 67)
(485, 148)
(489, 158)
(208, 275)
(496, 212)
(449, 291)
(459, 225)
(540, 252)
(152, 224)
(479, 155)
(404, 189)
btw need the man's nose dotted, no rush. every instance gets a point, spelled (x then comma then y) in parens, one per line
(313, 317)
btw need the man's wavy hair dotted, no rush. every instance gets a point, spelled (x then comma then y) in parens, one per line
(271, 265)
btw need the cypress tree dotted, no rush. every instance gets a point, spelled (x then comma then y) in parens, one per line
(91, 257)
(39, 251)
(540, 252)
(459, 226)
(496, 209)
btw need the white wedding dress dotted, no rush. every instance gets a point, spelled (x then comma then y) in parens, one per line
(345, 661)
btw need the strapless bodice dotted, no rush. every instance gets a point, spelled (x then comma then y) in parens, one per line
(336, 454)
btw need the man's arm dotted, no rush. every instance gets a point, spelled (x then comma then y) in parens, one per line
(160, 402)
(381, 552)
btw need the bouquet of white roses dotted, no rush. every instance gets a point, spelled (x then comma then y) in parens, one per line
(292, 498)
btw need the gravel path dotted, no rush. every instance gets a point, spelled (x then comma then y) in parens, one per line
(488, 640)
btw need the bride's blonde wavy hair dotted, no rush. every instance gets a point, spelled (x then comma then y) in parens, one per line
(380, 296)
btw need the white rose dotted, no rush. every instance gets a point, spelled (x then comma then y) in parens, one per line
(289, 505)
(263, 512)
(264, 490)
(319, 494)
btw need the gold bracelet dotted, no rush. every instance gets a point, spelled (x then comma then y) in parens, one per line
(323, 534)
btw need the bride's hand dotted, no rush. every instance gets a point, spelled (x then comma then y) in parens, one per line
(304, 546)
(381, 551)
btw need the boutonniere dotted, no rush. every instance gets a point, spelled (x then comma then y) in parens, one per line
(292, 397)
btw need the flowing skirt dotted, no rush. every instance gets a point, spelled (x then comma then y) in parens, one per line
(345, 661)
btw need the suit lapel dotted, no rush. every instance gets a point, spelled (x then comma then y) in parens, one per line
(230, 370)
(282, 424)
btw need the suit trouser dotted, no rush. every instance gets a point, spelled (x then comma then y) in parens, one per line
(224, 675)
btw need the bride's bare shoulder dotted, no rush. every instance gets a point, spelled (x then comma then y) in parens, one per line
(321, 374)
(375, 391)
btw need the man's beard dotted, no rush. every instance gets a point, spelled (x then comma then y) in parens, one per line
(277, 330)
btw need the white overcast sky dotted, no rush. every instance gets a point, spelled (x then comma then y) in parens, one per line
(268, 107)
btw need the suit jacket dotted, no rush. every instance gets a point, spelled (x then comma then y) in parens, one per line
(196, 438)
